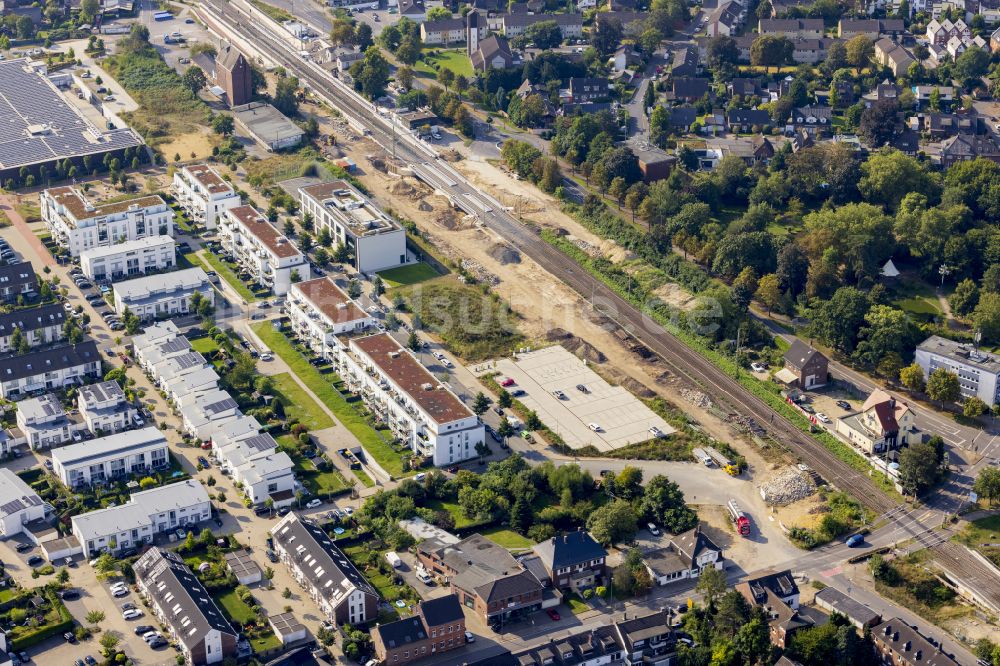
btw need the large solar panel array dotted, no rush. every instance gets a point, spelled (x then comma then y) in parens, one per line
(28, 98)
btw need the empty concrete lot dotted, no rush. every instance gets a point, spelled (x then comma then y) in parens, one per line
(623, 418)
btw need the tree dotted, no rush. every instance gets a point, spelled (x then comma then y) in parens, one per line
(194, 79)
(918, 468)
(24, 28)
(963, 300)
(838, 320)
(480, 404)
(988, 483)
(889, 175)
(438, 13)
(943, 386)
(147, 482)
(504, 398)
(404, 77)
(109, 642)
(722, 50)
(285, 95)
(63, 576)
(974, 407)
(711, 584)
(409, 51)
(223, 124)
(753, 639)
(769, 291)
(88, 10)
(770, 51)
(532, 422)
(663, 503)
(971, 66)
(912, 377)
(105, 565)
(413, 342)
(545, 35)
(986, 316)
(859, 51)
(445, 77)
(18, 342)
(879, 121)
(94, 617)
(613, 522)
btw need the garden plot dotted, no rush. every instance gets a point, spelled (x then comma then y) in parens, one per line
(623, 418)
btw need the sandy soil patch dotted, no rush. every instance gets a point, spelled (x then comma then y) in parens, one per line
(804, 513)
(191, 146)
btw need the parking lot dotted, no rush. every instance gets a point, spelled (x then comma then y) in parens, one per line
(583, 400)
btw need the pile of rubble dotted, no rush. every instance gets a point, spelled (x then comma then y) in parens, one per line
(586, 247)
(696, 398)
(786, 487)
(481, 273)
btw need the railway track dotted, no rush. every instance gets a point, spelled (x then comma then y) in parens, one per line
(679, 358)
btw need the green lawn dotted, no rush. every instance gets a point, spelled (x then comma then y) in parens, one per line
(507, 538)
(454, 59)
(206, 346)
(363, 477)
(920, 305)
(320, 483)
(223, 269)
(575, 603)
(377, 448)
(404, 275)
(299, 406)
(234, 607)
(461, 520)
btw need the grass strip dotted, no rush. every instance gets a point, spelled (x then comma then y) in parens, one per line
(374, 445)
(223, 269)
(298, 404)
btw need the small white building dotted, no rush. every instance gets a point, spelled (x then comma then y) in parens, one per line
(420, 410)
(166, 295)
(148, 513)
(319, 311)
(376, 240)
(268, 256)
(203, 194)
(129, 259)
(39, 326)
(169, 370)
(978, 371)
(267, 476)
(113, 457)
(77, 224)
(182, 390)
(215, 407)
(148, 347)
(19, 504)
(47, 369)
(44, 423)
(105, 409)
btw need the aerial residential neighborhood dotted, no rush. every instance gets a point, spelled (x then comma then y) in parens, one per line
(486, 333)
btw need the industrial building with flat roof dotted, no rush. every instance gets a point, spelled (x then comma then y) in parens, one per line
(376, 240)
(268, 126)
(978, 371)
(38, 127)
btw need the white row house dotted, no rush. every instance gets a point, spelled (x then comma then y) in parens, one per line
(420, 410)
(253, 460)
(268, 256)
(19, 504)
(167, 295)
(39, 326)
(319, 311)
(202, 192)
(77, 224)
(105, 409)
(157, 342)
(44, 423)
(151, 254)
(113, 457)
(47, 369)
(207, 411)
(146, 514)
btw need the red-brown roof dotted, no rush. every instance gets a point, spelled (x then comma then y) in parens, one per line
(324, 295)
(406, 371)
(208, 178)
(257, 226)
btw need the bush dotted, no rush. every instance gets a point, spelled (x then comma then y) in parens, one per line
(588, 593)
(602, 591)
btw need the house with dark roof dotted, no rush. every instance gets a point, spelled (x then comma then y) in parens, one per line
(763, 149)
(486, 578)
(744, 87)
(493, 53)
(816, 120)
(184, 606)
(900, 644)
(572, 560)
(778, 594)
(965, 147)
(17, 280)
(584, 90)
(681, 118)
(726, 19)
(684, 61)
(39, 326)
(806, 368)
(833, 600)
(230, 72)
(47, 369)
(802, 28)
(746, 120)
(324, 572)
(685, 556)
(437, 626)
(688, 89)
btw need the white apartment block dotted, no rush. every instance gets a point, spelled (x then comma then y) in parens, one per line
(113, 457)
(129, 259)
(377, 241)
(77, 224)
(417, 407)
(19, 504)
(167, 295)
(146, 514)
(268, 256)
(105, 409)
(978, 371)
(320, 311)
(203, 193)
(44, 423)
(47, 369)
(39, 326)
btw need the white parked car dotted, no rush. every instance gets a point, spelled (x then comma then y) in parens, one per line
(822, 417)
(420, 477)
(132, 613)
(757, 367)
(652, 529)
(312, 504)
(595, 427)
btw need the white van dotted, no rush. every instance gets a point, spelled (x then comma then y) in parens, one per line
(394, 560)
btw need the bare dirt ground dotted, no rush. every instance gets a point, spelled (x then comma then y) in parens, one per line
(191, 146)
(804, 513)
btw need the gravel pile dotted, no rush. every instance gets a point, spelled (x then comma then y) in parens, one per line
(790, 485)
(696, 398)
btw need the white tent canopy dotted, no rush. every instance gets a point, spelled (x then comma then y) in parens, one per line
(890, 270)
